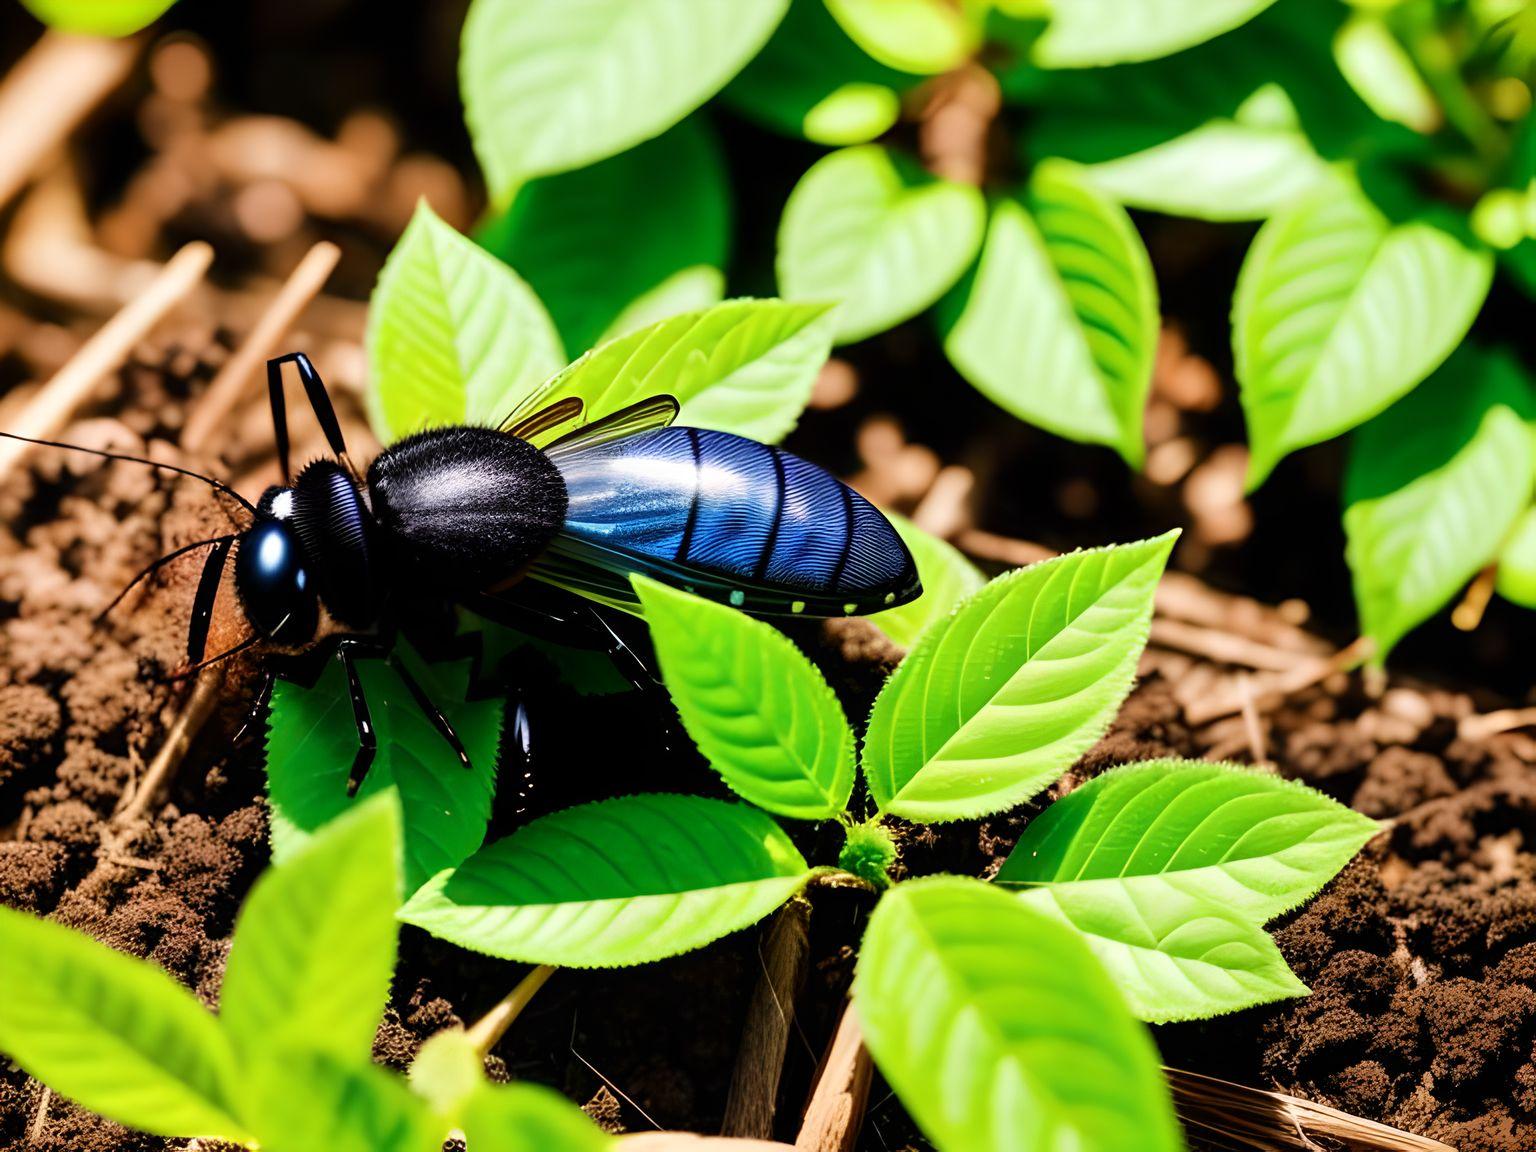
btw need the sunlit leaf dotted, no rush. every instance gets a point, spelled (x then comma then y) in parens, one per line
(998, 1030)
(528, 1118)
(881, 243)
(98, 17)
(999, 699)
(551, 85)
(925, 36)
(593, 241)
(113, 1033)
(312, 739)
(1339, 311)
(690, 289)
(744, 366)
(1434, 486)
(454, 336)
(1059, 325)
(1517, 562)
(1173, 955)
(1237, 839)
(947, 577)
(618, 882)
(759, 711)
(1087, 33)
(302, 1100)
(314, 947)
(1382, 71)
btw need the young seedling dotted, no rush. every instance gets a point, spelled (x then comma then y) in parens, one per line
(284, 1065)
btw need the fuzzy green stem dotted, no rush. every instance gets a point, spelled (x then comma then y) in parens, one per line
(868, 853)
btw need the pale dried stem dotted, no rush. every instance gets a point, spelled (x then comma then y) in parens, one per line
(836, 1111)
(40, 1117)
(230, 386)
(1266, 694)
(749, 1108)
(1251, 726)
(1225, 647)
(49, 92)
(942, 510)
(1469, 613)
(178, 738)
(690, 1142)
(1232, 1115)
(1483, 725)
(491, 1027)
(55, 403)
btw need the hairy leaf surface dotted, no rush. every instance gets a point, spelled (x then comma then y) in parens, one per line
(618, 882)
(881, 244)
(998, 700)
(551, 85)
(1238, 839)
(998, 1030)
(114, 1033)
(1060, 324)
(759, 711)
(454, 336)
(314, 947)
(1339, 312)
(312, 739)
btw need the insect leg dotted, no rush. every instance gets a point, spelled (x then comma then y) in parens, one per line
(430, 710)
(319, 402)
(263, 697)
(202, 602)
(367, 739)
(279, 414)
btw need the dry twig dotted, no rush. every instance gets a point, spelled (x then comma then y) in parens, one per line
(836, 1111)
(178, 738)
(760, 1061)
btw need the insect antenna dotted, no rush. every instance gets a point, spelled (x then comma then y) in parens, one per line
(222, 656)
(155, 567)
(209, 480)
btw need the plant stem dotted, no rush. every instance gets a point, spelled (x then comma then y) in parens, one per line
(1469, 613)
(754, 1090)
(836, 1111)
(493, 1025)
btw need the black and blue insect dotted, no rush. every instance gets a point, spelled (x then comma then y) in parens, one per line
(337, 561)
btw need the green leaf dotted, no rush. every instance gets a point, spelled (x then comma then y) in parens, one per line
(1242, 840)
(882, 244)
(529, 1118)
(98, 17)
(312, 739)
(998, 1030)
(1173, 955)
(593, 241)
(618, 882)
(744, 366)
(1381, 70)
(811, 80)
(589, 671)
(1001, 698)
(1092, 33)
(923, 36)
(314, 947)
(1433, 487)
(302, 1100)
(446, 1071)
(1517, 562)
(115, 1034)
(759, 711)
(1339, 312)
(454, 336)
(686, 290)
(947, 577)
(1060, 323)
(549, 86)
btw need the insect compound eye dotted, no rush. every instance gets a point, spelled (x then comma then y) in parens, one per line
(274, 585)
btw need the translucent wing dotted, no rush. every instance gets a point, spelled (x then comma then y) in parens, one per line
(642, 416)
(727, 518)
(544, 419)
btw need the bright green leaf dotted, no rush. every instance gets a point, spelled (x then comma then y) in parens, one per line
(1001, 698)
(1517, 562)
(759, 711)
(999, 1031)
(447, 1070)
(314, 947)
(744, 366)
(551, 85)
(312, 740)
(113, 1033)
(303, 1100)
(1092, 33)
(593, 241)
(1433, 487)
(529, 1118)
(1380, 69)
(852, 114)
(98, 17)
(924, 36)
(618, 882)
(947, 577)
(1237, 839)
(1060, 323)
(1339, 312)
(454, 336)
(884, 246)
(1173, 955)
(686, 290)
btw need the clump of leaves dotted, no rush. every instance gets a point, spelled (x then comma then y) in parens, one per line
(285, 1062)
(1141, 896)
